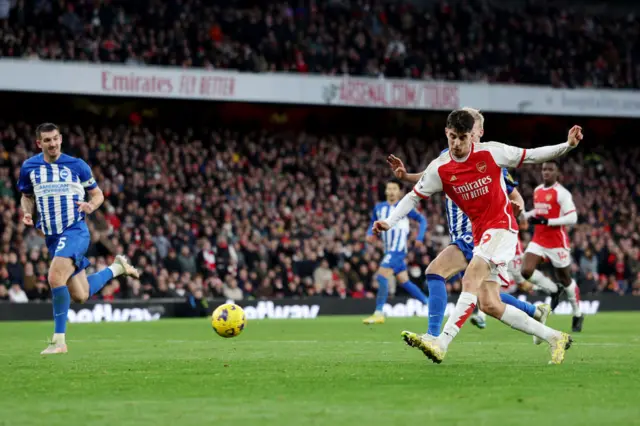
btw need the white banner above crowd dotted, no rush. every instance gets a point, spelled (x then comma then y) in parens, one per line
(220, 85)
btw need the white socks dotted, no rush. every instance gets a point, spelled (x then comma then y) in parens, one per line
(573, 295)
(537, 314)
(467, 302)
(482, 315)
(544, 283)
(117, 269)
(539, 280)
(520, 321)
(58, 338)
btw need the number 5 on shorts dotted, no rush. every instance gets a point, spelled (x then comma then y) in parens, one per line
(61, 244)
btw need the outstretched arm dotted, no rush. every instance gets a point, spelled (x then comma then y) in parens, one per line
(399, 170)
(545, 153)
(412, 177)
(512, 156)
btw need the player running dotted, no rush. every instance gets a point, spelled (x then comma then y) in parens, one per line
(455, 258)
(553, 211)
(395, 250)
(54, 185)
(471, 175)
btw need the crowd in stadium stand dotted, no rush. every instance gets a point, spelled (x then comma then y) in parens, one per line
(468, 40)
(258, 215)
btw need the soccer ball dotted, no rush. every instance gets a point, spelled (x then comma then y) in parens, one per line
(228, 320)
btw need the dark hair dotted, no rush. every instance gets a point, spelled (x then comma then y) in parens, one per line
(45, 127)
(554, 161)
(460, 121)
(396, 181)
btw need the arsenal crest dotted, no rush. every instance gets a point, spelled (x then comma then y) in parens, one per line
(481, 166)
(548, 197)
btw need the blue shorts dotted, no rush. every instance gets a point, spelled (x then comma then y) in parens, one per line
(465, 244)
(394, 261)
(72, 243)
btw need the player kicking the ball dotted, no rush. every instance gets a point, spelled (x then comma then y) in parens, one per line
(456, 257)
(553, 210)
(54, 185)
(395, 250)
(470, 174)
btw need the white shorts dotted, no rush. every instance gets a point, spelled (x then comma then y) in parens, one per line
(559, 257)
(497, 247)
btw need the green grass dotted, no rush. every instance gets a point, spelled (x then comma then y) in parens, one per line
(329, 371)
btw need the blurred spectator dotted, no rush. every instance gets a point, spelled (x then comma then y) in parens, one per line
(232, 291)
(322, 275)
(163, 290)
(588, 264)
(226, 257)
(358, 291)
(186, 260)
(171, 262)
(265, 290)
(162, 243)
(636, 285)
(469, 40)
(4, 293)
(15, 269)
(17, 295)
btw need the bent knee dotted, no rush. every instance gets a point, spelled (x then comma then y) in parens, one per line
(60, 271)
(526, 272)
(385, 272)
(79, 296)
(56, 279)
(470, 284)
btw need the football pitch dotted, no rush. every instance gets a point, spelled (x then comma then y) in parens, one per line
(328, 371)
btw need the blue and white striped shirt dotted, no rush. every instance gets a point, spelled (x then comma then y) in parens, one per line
(459, 223)
(395, 239)
(57, 188)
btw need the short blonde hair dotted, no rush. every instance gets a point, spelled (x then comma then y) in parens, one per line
(476, 114)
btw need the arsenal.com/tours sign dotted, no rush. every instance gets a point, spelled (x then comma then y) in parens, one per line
(303, 89)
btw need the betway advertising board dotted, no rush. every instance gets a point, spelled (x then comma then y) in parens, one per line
(153, 310)
(292, 88)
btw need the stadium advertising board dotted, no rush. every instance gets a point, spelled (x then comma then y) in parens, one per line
(133, 311)
(219, 85)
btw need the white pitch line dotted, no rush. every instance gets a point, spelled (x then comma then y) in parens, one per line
(350, 342)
